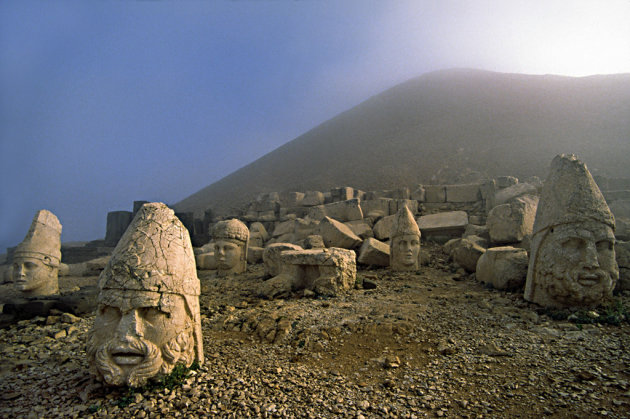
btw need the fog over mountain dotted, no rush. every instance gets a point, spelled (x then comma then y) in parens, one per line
(445, 126)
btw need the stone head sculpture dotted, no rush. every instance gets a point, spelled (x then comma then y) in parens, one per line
(36, 260)
(572, 261)
(404, 252)
(148, 317)
(230, 246)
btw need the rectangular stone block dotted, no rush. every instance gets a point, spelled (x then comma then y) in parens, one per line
(463, 193)
(435, 193)
(440, 227)
(396, 204)
(379, 206)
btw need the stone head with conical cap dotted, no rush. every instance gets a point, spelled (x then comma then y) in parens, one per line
(231, 238)
(36, 260)
(148, 316)
(572, 259)
(404, 252)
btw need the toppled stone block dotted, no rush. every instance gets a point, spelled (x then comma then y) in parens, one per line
(463, 193)
(361, 228)
(312, 198)
(506, 181)
(285, 227)
(443, 226)
(206, 261)
(343, 193)
(505, 268)
(374, 252)
(314, 241)
(348, 210)
(434, 193)
(254, 254)
(419, 194)
(512, 222)
(336, 234)
(291, 199)
(465, 252)
(271, 256)
(476, 230)
(327, 272)
(505, 195)
(379, 207)
(383, 228)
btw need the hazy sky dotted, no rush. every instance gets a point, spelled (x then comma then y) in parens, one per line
(107, 102)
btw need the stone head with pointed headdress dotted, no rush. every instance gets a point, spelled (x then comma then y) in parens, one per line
(404, 252)
(230, 246)
(36, 260)
(148, 317)
(572, 260)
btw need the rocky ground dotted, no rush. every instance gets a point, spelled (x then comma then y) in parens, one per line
(432, 343)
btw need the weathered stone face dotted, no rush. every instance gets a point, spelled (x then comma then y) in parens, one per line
(148, 315)
(32, 276)
(405, 243)
(576, 265)
(231, 238)
(405, 251)
(140, 335)
(229, 255)
(572, 261)
(36, 260)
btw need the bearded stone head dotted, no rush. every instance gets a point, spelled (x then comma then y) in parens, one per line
(572, 261)
(148, 318)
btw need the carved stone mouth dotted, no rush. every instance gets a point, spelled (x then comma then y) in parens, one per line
(127, 356)
(588, 279)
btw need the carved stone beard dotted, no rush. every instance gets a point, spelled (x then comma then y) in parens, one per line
(156, 360)
(562, 284)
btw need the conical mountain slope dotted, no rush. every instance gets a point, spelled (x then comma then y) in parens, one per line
(453, 122)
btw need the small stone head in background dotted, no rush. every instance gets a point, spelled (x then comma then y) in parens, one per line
(36, 260)
(572, 262)
(404, 253)
(148, 317)
(230, 246)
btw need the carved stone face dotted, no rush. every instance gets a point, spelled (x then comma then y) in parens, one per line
(138, 335)
(33, 277)
(229, 255)
(405, 250)
(576, 265)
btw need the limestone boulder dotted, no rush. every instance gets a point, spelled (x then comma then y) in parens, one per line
(348, 210)
(505, 268)
(443, 226)
(336, 234)
(374, 252)
(434, 193)
(205, 261)
(463, 193)
(465, 252)
(285, 227)
(506, 181)
(377, 207)
(326, 272)
(361, 228)
(314, 241)
(504, 195)
(271, 256)
(254, 254)
(476, 230)
(383, 228)
(512, 222)
(313, 198)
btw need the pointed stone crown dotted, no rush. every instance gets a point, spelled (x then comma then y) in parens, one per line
(43, 240)
(570, 195)
(404, 223)
(154, 254)
(231, 230)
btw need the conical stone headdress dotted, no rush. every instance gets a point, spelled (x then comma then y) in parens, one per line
(570, 195)
(154, 254)
(404, 223)
(43, 240)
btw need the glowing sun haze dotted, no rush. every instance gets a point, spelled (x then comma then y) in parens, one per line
(103, 103)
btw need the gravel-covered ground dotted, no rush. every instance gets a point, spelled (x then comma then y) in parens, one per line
(435, 343)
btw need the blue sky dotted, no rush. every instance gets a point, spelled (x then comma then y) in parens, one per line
(107, 102)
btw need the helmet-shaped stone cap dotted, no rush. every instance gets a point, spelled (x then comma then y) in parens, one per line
(155, 254)
(404, 223)
(230, 230)
(570, 195)
(43, 239)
